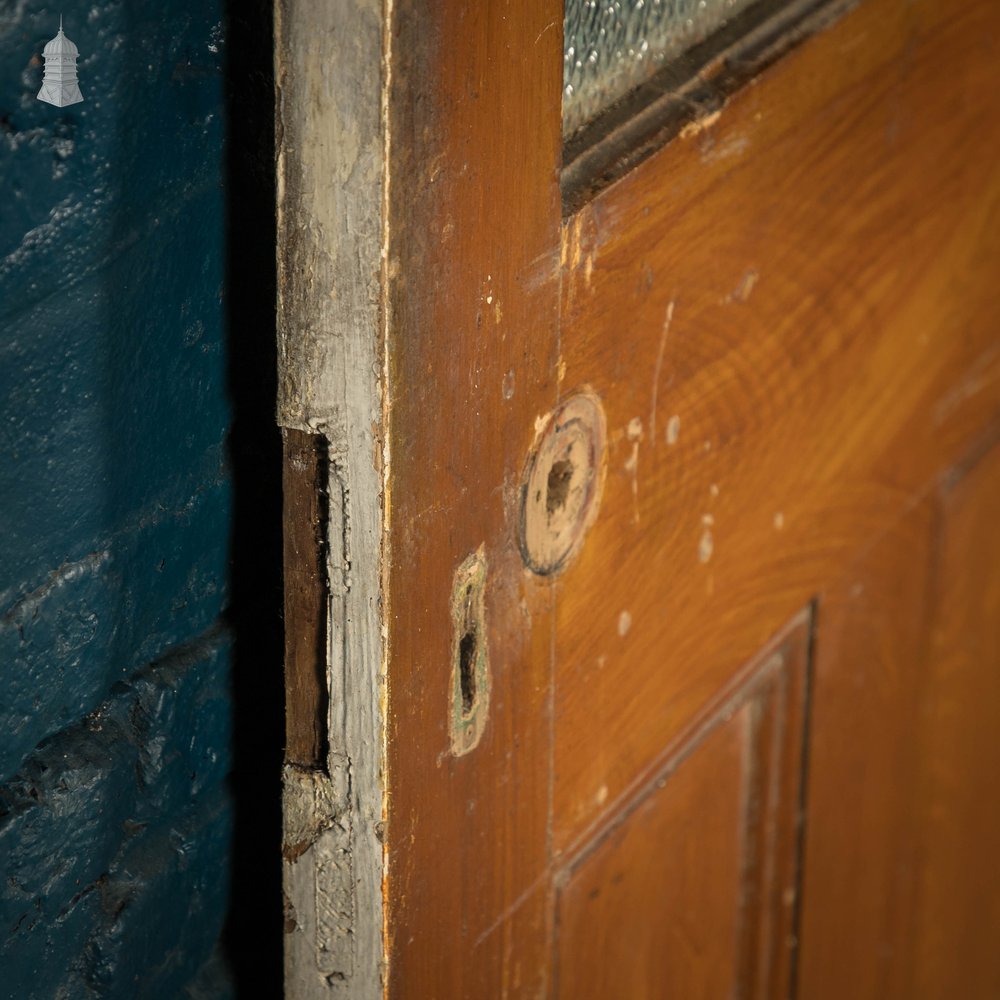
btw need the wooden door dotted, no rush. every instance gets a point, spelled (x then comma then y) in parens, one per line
(667, 664)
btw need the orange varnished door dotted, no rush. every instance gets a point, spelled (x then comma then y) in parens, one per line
(692, 569)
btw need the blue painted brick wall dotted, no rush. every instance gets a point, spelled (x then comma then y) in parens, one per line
(115, 706)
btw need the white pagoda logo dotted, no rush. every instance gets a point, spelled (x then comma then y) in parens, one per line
(59, 85)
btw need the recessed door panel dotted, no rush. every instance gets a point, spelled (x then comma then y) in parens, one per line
(902, 884)
(691, 888)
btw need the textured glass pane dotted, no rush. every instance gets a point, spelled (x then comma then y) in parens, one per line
(611, 46)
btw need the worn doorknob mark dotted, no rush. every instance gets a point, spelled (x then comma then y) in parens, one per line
(561, 487)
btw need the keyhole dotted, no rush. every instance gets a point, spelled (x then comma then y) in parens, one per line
(468, 648)
(557, 487)
(467, 670)
(470, 680)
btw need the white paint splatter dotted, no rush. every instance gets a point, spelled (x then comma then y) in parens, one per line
(634, 433)
(745, 288)
(705, 546)
(673, 429)
(624, 623)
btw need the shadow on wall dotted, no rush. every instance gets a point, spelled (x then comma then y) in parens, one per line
(140, 521)
(254, 934)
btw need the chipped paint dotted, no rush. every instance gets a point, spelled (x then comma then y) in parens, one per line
(579, 251)
(470, 669)
(699, 125)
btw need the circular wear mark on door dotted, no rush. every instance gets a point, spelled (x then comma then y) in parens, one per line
(561, 488)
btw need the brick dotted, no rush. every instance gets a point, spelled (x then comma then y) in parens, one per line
(87, 810)
(162, 906)
(115, 704)
(102, 618)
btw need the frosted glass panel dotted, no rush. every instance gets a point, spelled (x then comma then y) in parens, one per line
(612, 46)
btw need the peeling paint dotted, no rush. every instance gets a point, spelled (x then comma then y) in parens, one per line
(313, 803)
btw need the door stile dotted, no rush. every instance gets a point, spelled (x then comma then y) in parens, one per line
(473, 280)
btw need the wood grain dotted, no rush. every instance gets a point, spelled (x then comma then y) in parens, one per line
(804, 291)
(902, 892)
(692, 890)
(788, 314)
(472, 325)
